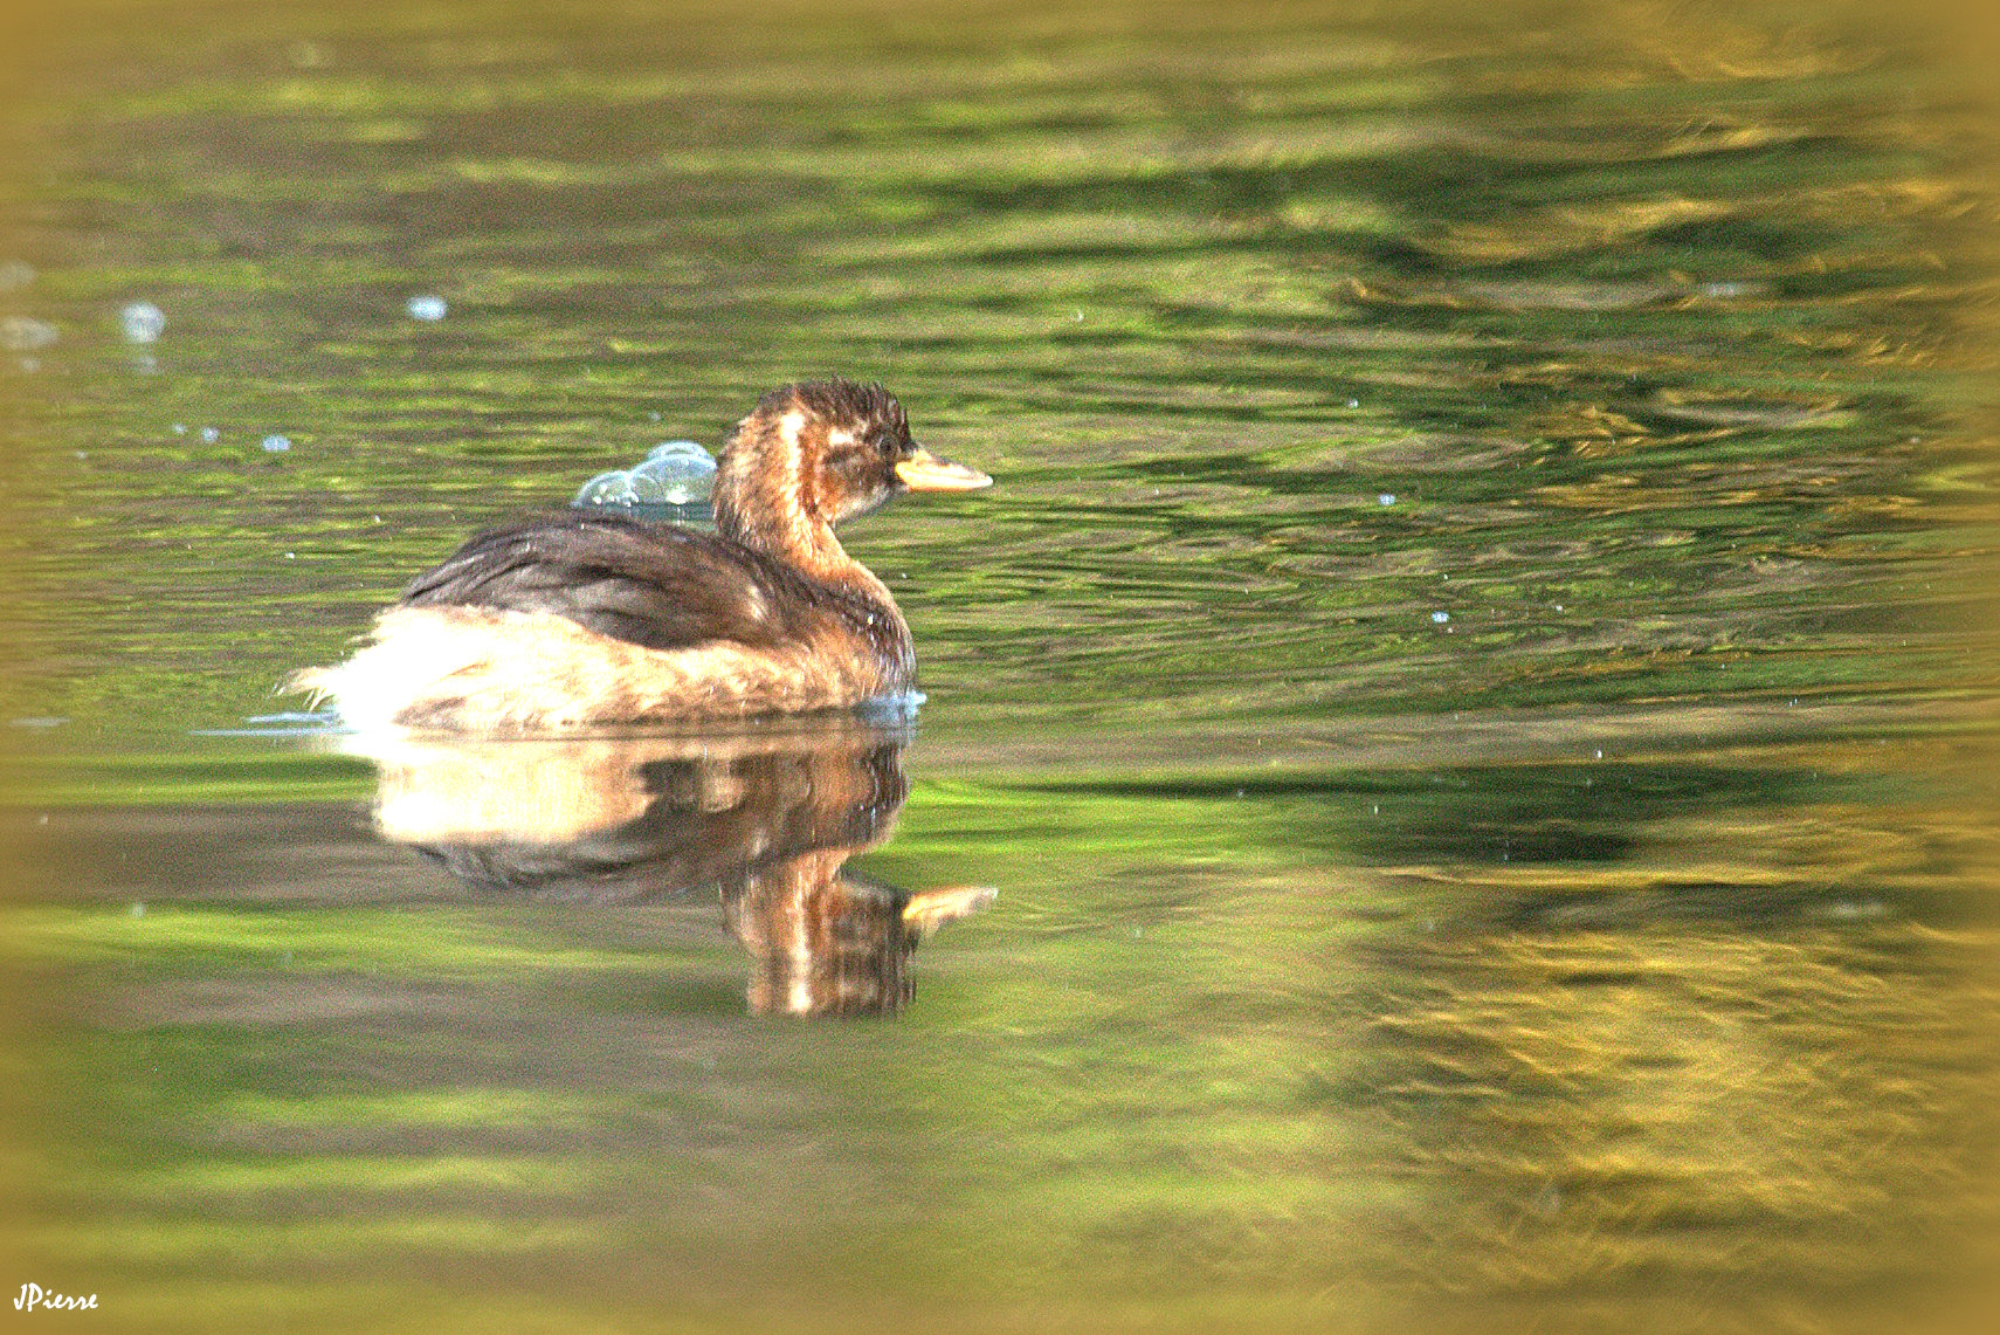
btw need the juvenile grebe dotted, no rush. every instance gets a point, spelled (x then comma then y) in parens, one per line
(586, 618)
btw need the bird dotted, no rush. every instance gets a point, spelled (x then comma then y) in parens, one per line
(589, 618)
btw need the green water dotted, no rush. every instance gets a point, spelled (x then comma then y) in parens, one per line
(1472, 690)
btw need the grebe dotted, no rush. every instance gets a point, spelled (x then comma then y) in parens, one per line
(586, 618)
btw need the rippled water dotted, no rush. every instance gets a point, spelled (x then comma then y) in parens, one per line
(1455, 790)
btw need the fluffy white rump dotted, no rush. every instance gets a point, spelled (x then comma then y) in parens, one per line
(475, 669)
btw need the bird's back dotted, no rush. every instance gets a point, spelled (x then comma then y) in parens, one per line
(654, 585)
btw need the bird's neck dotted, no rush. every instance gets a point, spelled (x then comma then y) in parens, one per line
(765, 499)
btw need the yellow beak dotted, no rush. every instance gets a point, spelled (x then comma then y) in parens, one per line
(924, 471)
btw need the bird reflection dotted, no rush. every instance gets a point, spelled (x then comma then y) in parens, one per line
(769, 817)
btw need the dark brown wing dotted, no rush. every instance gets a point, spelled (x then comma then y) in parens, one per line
(651, 584)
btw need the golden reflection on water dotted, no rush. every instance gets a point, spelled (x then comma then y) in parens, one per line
(1618, 1083)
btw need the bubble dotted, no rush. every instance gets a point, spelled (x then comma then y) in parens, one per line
(209, 435)
(428, 307)
(142, 322)
(276, 444)
(676, 473)
(683, 470)
(1386, 498)
(21, 333)
(647, 489)
(1440, 617)
(613, 488)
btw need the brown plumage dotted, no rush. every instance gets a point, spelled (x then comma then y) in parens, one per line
(586, 618)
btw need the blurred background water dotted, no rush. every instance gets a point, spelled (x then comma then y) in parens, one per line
(1473, 688)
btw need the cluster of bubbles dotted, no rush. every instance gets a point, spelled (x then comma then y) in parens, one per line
(139, 322)
(677, 474)
(142, 323)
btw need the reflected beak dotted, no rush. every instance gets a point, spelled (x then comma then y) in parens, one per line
(932, 909)
(924, 471)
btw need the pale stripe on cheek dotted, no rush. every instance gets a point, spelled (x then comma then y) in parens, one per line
(792, 487)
